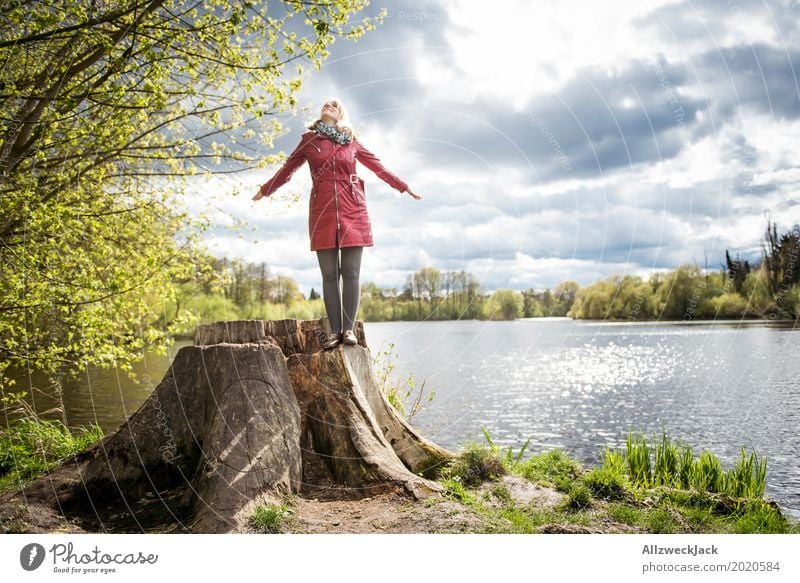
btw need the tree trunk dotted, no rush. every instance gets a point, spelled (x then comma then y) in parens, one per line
(253, 411)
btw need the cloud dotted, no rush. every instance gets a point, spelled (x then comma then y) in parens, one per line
(554, 141)
(693, 26)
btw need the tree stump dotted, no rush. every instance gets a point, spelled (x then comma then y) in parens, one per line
(254, 410)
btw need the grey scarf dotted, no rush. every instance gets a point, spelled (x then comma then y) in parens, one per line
(331, 132)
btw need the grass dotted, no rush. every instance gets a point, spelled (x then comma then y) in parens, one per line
(655, 487)
(271, 518)
(554, 468)
(474, 465)
(669, 463)
(604, 484)
(30, 447)
(397, 393)
(509, 460)
(578, 496)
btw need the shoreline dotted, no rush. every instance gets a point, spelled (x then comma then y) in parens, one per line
(187, 336)
(483, 493)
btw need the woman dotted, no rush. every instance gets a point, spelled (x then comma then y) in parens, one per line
(338, 218)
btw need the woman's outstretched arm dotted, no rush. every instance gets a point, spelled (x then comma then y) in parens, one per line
(372, 162)
(282, 176)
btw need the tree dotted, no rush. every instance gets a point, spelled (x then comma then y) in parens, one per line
(448, 282)
(736, 271)
(244, 416)
(729, 305)
(755, 291)
(681, 292)
(530, 307)
(655, 280)
(283, 290)
(473, 292)
(263, 273)
(781, 256)
(107, 110)
(372, 290)
(632, 299)
(565, 293)
(546, 301)
(592, 302)
(427, 283)
(505, 304)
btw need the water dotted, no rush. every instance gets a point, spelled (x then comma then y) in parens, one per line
(580, 385)
(571, 384)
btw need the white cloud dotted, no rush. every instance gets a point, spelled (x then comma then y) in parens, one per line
(699, 162)
(492, 216)
(522, 49)
(777, 141)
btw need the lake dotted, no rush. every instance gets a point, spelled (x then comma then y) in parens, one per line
(577, 385)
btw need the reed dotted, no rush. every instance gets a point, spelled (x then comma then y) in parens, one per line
(508, 458)
(672, 464)
(708, 474)
(748, 479)
(678, 487)
(614, 461)
(637, 454)
(665, 469)
(685, 467)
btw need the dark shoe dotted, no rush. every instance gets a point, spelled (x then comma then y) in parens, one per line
(348, 337)
(332, 341)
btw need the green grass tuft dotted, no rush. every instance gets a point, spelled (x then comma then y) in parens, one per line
(759, 517)
(657, 487)
(578, 497)
(270, 518)
(473, 465)
(624, 513)
(661, 521)
(30, 447)
(606, 483)
(748, 479)
(510, 461)
(553, 467)
(671, 464)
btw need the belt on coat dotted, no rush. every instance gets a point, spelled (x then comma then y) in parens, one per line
(352, 178)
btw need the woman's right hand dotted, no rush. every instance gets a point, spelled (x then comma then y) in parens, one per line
(411, 192)
(259, 195)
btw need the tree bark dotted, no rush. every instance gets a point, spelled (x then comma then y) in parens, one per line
(254, 410)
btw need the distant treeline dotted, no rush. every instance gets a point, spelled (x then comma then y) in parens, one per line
(231, 289)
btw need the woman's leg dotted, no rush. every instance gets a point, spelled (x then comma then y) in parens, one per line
(329, 266)
(351, 290)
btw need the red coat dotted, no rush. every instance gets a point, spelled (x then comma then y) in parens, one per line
(337, 203)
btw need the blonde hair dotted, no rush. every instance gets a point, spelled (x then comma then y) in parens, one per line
(343, 123)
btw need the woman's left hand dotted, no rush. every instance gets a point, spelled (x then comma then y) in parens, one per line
(411, 192)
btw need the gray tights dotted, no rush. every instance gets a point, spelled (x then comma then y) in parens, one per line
(351, 291)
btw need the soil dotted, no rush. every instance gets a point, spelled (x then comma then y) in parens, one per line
(328, 511)
(323, 510)
(392, 512)
(395, 512)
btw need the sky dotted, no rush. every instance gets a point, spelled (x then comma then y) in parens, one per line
(549, 140)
